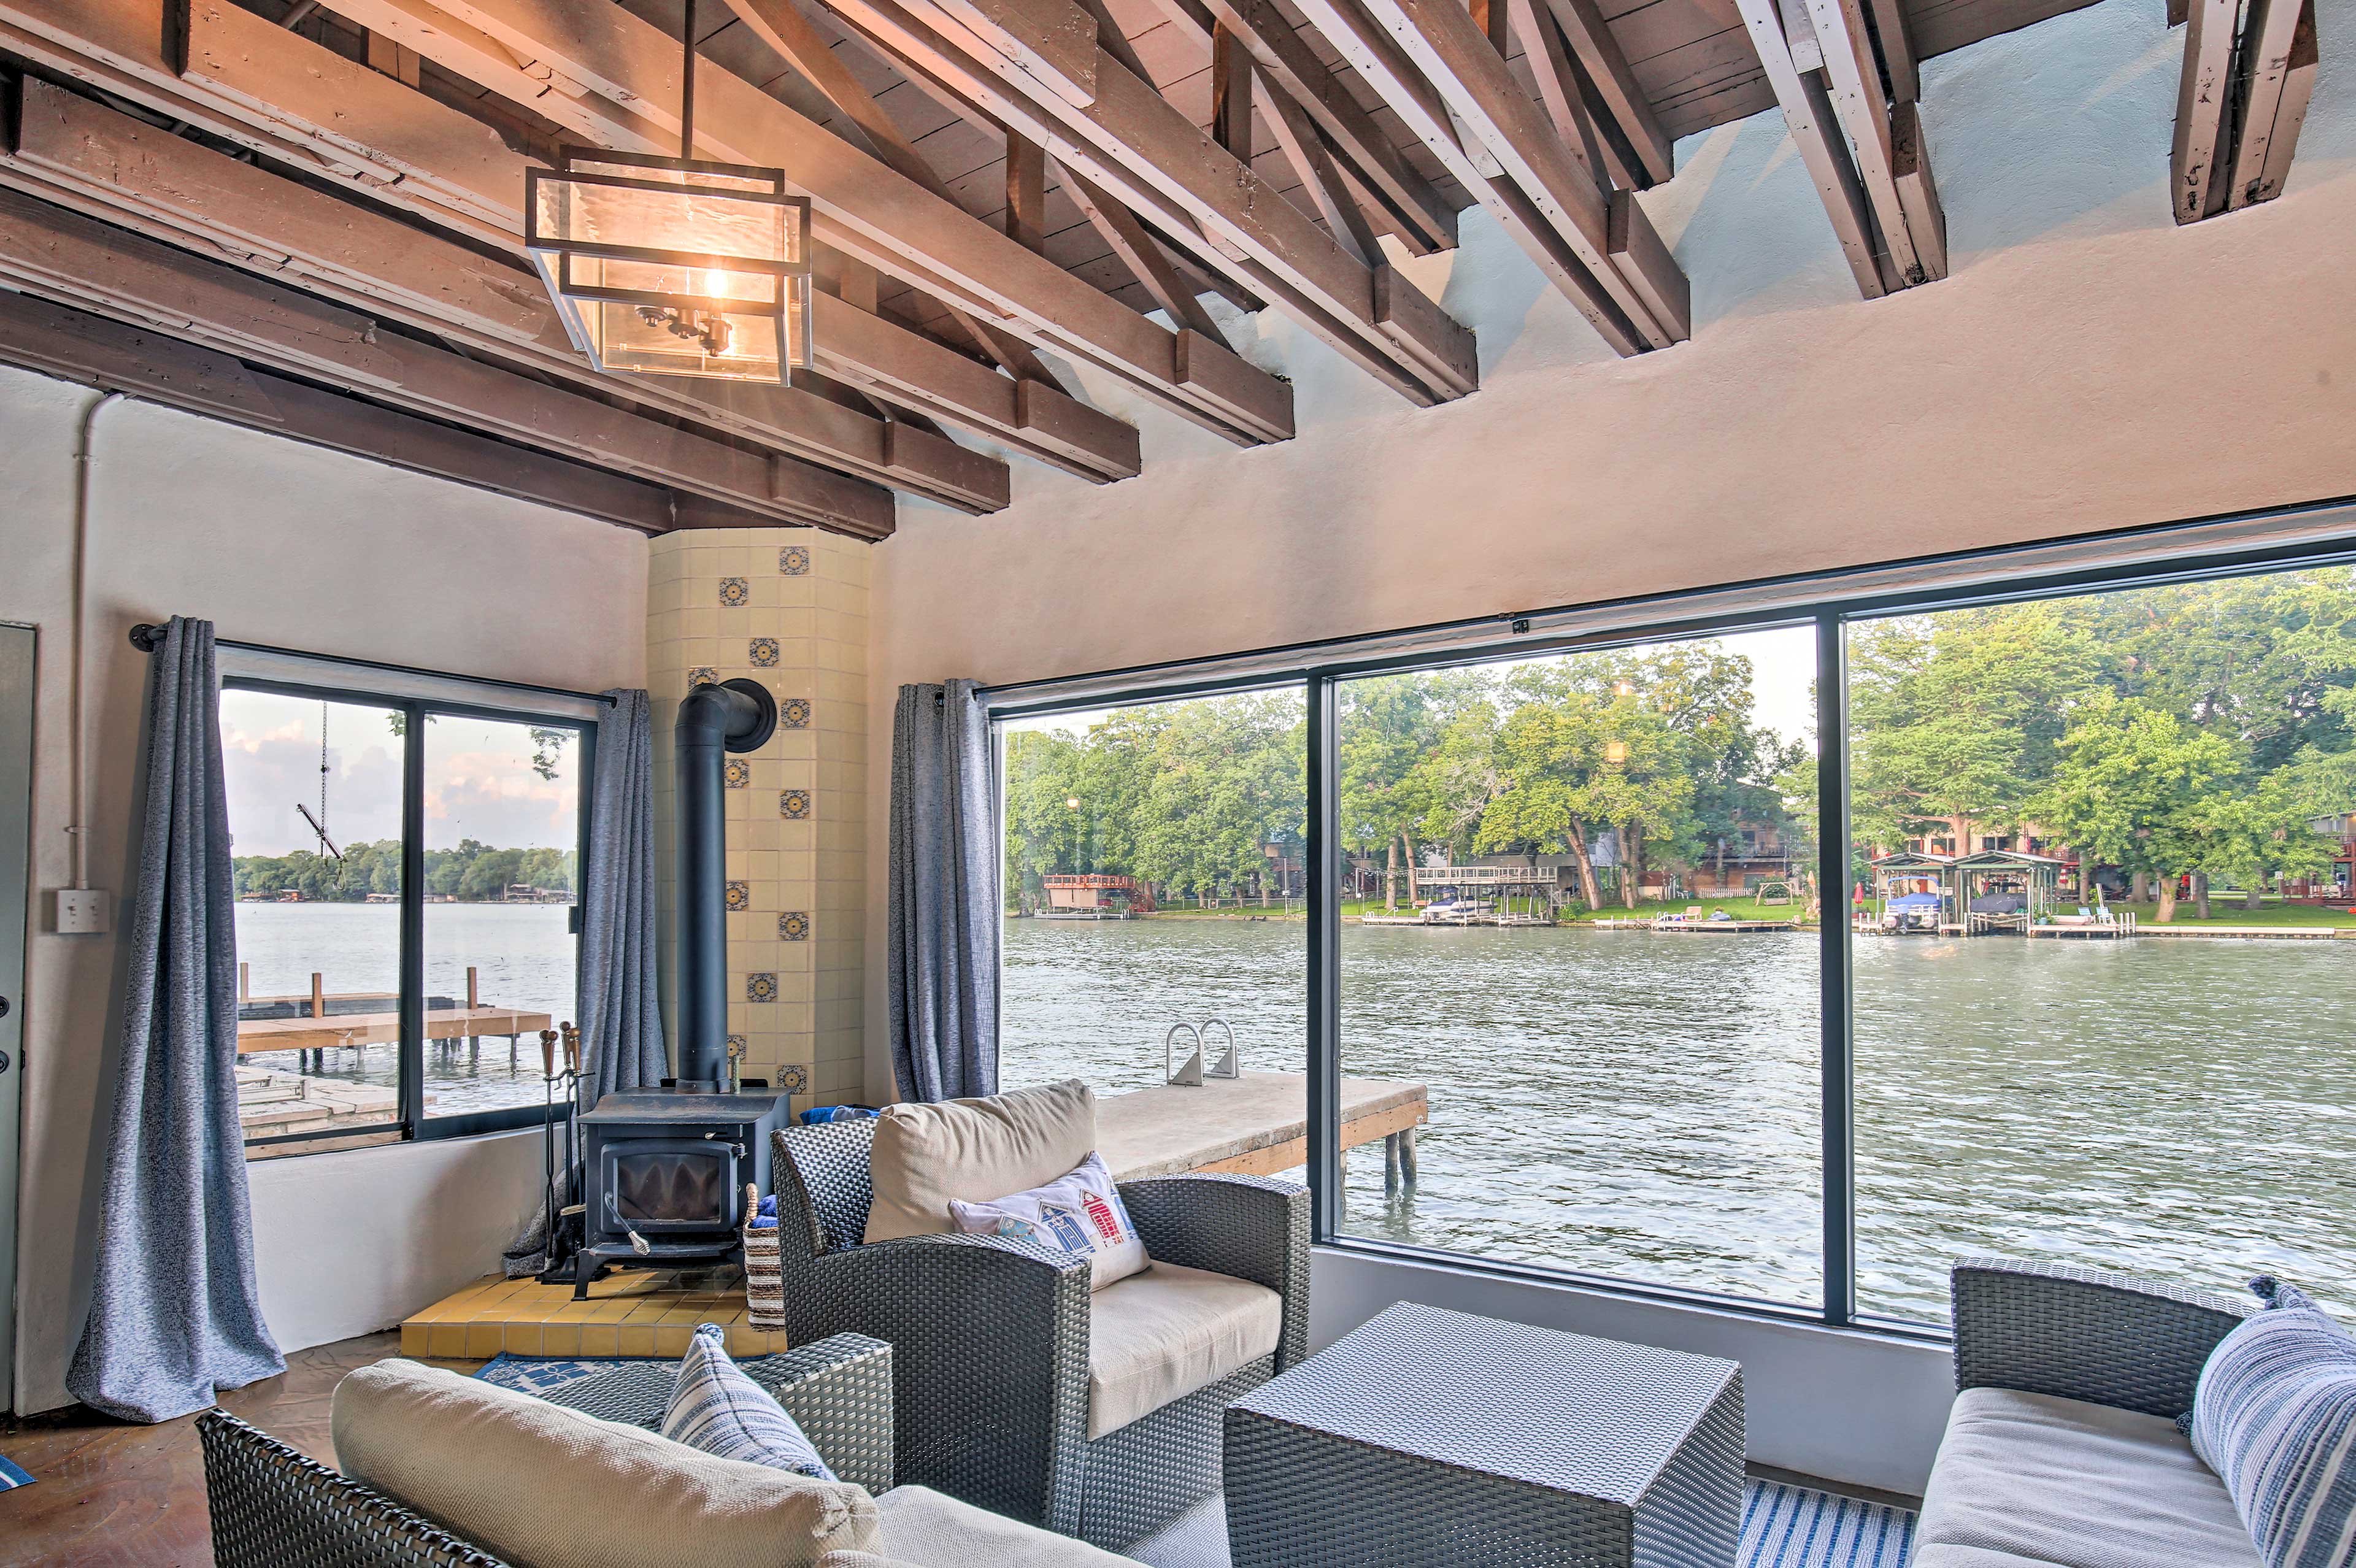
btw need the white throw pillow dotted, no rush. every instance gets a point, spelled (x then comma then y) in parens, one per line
(1081, 1212)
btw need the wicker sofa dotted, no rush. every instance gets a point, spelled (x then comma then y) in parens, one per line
(992, 1336)
(2062, 1450)
(273, 1507)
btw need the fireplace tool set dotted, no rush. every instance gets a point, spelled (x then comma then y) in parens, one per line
(561, 1223)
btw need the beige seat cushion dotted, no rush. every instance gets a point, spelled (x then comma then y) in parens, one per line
(973, 1150)
(2065, 1482)
(544, 1486)
(1161, 1335)
(924, 1529)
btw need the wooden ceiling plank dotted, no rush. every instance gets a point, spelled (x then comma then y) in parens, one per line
(74, 259)
(40, 335)
(1808, 116)
(1142, 255)
(1443, 38)
(2202, 89)
(2267, 38)
(1631, 109)
(1855, 78)
(862, 206)
(1293, 68)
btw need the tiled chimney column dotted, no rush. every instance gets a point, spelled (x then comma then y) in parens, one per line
(787, 607)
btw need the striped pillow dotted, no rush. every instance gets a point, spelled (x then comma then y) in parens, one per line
(2274, 1415)
(716, 1408)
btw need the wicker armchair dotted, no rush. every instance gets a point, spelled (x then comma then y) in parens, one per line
(2088, 1334)
(990, 1337)
(274, 1506)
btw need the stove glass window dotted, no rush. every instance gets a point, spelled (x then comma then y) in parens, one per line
(670, 1189)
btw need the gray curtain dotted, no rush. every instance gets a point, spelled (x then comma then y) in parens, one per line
(945, 915)
(174, 1310)
(621, 1002)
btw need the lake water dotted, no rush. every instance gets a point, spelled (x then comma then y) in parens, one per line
(1647, 1106)
(522, 955)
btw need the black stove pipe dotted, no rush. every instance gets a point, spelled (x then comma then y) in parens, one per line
(735, 716)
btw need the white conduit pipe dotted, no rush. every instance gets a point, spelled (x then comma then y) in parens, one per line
(76, 827)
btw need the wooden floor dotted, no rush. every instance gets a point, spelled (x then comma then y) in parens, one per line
(108, 1494)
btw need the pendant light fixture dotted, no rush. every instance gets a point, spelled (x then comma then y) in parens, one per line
(674, 266)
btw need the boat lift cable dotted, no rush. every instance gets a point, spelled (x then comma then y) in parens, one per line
(319, 823)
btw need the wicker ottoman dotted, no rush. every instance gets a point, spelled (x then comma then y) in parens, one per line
(1429, 1437)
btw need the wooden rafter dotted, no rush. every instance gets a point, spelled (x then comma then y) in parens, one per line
(1437, 68)
(2240, 103)
(309, 110)
(1310, 159)
(1136, 145)
(1625, 106)
(38, 334)
(1424, 221)
(1141, 254)
(862, 205)
(74, 259)
(1776, 31)
(2203, 94)
(1854, 74)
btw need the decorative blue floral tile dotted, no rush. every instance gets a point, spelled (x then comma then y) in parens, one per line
(735, 593)
(736, 773)
(739, 896)
(763, 653)
(794, 926)
(794, 560)
(737, 1048)
(760, 987)
(794, 1077)
(794, 712)
(701, 674)
(794, 804)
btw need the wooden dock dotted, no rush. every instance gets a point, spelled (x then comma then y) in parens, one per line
(384, 1029)
(1254, 1125)
(270, 1105)
(2247, 932)
(1705, 927)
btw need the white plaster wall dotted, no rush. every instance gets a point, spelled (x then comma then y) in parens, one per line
(2088, 365)
(288, 545)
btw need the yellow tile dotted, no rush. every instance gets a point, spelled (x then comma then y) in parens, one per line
(414, 1337)
(600, 1339)
(524, 1339)
(671, 1338)
(638, 1339)
(485, 1339)
(560, 1339)
(447, 1340)
(611, 1310)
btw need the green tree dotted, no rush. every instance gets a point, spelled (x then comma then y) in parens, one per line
(2139, 788)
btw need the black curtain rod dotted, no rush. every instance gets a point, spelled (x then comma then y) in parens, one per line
(147, 637)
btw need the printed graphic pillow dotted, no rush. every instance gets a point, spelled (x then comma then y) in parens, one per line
(2274, 1415)
(716, 1407)
(1081, 1212)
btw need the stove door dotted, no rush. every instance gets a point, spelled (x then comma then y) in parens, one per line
(658, 1185)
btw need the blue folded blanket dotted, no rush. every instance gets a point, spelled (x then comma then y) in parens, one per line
(765, 1217)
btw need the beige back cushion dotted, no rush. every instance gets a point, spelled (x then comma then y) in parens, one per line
(973, 1150)
(544, 1486)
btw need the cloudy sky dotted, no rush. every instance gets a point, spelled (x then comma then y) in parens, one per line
(479, 778)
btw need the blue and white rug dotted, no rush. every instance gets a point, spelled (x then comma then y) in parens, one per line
(1783, 1527)
(13, 1475)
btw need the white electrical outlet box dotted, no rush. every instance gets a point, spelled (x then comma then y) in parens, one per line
(81, 912)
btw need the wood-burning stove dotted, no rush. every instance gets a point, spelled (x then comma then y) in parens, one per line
(664, 1170)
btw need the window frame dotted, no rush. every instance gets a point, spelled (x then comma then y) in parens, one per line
(1832, 611)
(411, 1124)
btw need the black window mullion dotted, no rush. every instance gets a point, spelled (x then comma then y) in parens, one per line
(1322, 797)
(412, 922)
(1838, 1129)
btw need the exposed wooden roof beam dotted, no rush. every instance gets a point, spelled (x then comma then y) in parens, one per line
(1141, 254)
(2203, 93)
(1293, 70)
(65, 257)
(309, 109)
(1854, 74)
(862, 206)
(2276, 80)
(1816, 132)
(1551, 205)
(1137, 145)
(1893, 33)
(1623, 98)
(40, 335)
(1306, 150)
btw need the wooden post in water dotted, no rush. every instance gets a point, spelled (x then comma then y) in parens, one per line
(474, 996)
(244, 980)
(318, 1010)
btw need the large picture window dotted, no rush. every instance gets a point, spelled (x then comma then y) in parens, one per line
(407, 873)
(1779, 959)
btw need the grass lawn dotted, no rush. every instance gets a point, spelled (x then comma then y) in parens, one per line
(2228, 911)
(1739, 908)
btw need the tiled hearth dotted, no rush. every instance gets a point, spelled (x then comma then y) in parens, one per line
(629, 1313)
